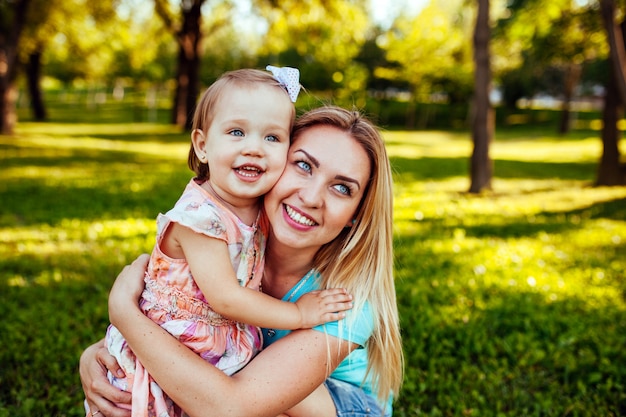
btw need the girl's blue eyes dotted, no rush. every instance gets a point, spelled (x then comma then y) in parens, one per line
(240, 133)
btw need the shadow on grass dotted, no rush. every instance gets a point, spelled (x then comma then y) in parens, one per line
(428, 168)
(31, 202)
(550, 222)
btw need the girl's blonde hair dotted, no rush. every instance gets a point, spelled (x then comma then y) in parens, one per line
(360, 259)
(205, 110)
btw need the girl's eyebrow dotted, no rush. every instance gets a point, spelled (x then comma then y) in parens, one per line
(315, 162)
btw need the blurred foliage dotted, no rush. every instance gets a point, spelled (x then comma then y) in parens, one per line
(433, 51)
(536, 44)
(419, 53)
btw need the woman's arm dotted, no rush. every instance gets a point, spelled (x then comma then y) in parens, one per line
(212, 270)
(99, 393)
(274, 381)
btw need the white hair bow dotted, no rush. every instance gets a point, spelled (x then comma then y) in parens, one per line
(289, 78)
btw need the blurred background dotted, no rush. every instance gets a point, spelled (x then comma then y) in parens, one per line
(411, 64)
(503, 122)
(546, 52)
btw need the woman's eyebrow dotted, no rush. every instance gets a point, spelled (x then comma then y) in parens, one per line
(313, 160)
(348, 179)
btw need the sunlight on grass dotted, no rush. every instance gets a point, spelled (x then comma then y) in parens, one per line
(532, 236)
(418, 201)
(48, 146)
(432, 143)
(90, 129)
(449, 145)
(73, 239)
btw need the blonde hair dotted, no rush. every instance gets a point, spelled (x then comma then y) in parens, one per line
(360, 259)
(205, 110)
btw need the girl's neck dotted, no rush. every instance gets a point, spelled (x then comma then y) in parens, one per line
(247, 209)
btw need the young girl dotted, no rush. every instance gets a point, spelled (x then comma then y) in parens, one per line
(239, 147)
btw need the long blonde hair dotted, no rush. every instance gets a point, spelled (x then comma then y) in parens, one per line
(360, 259)
(205, 110)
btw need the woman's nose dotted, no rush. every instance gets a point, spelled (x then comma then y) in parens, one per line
(311, 194)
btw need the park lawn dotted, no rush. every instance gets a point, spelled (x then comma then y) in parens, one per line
(512, 302)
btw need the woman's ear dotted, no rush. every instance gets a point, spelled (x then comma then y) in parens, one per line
(351, 223)
(198, 139)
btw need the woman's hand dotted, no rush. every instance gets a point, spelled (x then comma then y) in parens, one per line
(99, 393)
(127, 289)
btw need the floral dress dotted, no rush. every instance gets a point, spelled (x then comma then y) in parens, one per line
(173, 300)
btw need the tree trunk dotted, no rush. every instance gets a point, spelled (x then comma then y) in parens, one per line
(187, 73)
(33, 76)
(9, 39)
(610, 172)
(572, 76)
(617, 53)
(481, 168)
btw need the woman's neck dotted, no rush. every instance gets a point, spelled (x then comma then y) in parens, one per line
(284, 267)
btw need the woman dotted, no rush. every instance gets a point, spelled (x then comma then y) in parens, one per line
(331, 227)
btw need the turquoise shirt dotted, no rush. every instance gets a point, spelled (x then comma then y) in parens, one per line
(352, 369)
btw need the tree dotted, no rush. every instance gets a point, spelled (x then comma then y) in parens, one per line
(188, 35)
(483, 115)
(610, 171)
(431, 53)
(12, 21)
(538, 38)
(45, 20)
(313, 35)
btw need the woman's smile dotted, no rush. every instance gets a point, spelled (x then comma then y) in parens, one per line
(301, 219)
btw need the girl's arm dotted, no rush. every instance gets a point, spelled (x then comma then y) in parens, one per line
(275, 380)
(212, 270)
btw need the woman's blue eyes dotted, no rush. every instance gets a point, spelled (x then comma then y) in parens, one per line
(304, 165)
(344, 189)
(341, 188)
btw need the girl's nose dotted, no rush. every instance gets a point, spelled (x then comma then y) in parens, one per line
(253, 146)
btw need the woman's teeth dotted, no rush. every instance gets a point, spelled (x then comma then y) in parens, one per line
(298, 218)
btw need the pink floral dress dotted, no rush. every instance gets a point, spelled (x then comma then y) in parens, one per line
(173, 300)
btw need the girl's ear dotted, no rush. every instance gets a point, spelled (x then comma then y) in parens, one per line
(198, 139)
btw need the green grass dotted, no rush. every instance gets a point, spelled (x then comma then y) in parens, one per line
(512, 302)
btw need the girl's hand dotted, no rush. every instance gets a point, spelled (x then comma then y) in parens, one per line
(99, 393)
(127, 289)
(322, 306)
